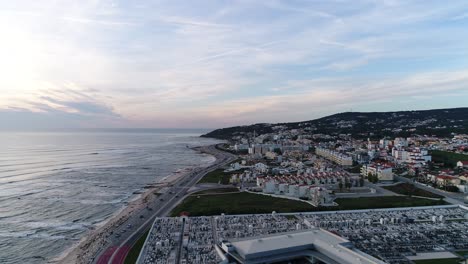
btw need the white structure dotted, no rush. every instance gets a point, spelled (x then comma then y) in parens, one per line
(320, 196)
(260, 167)
(413, 156)
(400, 142)
(316, 244)
(238, 147)
(462, 164)
(337, 157)
(383, 172)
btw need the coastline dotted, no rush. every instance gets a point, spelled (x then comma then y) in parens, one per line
(92, 242)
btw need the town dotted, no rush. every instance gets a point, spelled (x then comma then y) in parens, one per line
(370, 200)
(292, 164)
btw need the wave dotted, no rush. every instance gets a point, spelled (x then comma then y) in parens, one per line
(63, 194)
(29, 235)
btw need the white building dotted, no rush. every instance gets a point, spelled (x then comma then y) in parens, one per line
(270, 186)
(383, 172)
(320, 196)
(462, 164)
(337, 157)
(400, 142)
(317, 245)
(413, 156)
(238, 147)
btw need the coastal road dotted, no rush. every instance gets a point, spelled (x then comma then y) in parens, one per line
(128, 233)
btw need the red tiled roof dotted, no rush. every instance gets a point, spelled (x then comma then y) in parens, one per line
(446, 177)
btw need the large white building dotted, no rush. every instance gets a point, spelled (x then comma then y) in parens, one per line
(412, 156)
(383, 172)
(314, 246)
(337, 157)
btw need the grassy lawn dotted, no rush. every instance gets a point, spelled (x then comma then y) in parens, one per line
(218, 191)
(250, 203)
(384, 202)
(438, 261)
(238, 203)
(462, 252)
(217, 176)
(448, 158)
(410, 189)
(133, 254)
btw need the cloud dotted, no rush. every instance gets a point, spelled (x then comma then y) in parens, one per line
(81, 107)
(173, 63)
(82, 20)
(460, 17)
(191, 22)
(316, 98)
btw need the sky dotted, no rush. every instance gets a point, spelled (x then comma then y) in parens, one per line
(210, 64)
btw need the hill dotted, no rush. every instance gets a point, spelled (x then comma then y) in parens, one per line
(437, 122)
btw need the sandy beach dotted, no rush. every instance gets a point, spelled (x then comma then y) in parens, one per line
(94, 241)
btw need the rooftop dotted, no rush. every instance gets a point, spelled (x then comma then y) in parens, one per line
(334, 247)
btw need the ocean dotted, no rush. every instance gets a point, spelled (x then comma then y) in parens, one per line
(57, 186)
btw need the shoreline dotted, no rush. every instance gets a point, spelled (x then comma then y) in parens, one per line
(87, 247)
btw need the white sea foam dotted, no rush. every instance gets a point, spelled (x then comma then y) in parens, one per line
(55, 190)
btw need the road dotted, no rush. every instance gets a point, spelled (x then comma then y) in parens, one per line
(128, 233)
(454, 198)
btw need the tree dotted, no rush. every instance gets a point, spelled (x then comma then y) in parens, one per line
(361, 181)
(340, 185)
(372, 178)
(376, 179)
(347, 183)
(430, 165)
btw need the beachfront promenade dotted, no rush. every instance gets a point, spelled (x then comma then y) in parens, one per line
(112, 245)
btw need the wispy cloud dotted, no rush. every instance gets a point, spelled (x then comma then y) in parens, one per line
(461, 16)
(174, 63)
(83, 20)
(190, 22)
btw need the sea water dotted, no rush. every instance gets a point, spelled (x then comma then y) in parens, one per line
(57, 186)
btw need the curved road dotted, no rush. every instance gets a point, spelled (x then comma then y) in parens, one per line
(127, 234)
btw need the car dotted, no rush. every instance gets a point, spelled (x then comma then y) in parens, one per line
(161, 199)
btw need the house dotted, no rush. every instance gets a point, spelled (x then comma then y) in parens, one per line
(382, 171)
(447, 180)
(463, 164)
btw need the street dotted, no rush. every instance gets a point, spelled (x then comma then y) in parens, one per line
(128, 233)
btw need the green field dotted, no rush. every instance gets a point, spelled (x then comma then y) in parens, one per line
(462, 252)
(133, 254)
(384, 202)
(218, 191)
(238, 203)
(438, 261)
(216, 176)
(448, 158)
(410, 189)
(250, 203)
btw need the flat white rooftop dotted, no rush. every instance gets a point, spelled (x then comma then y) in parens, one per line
(433, 255)
(303, 244)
